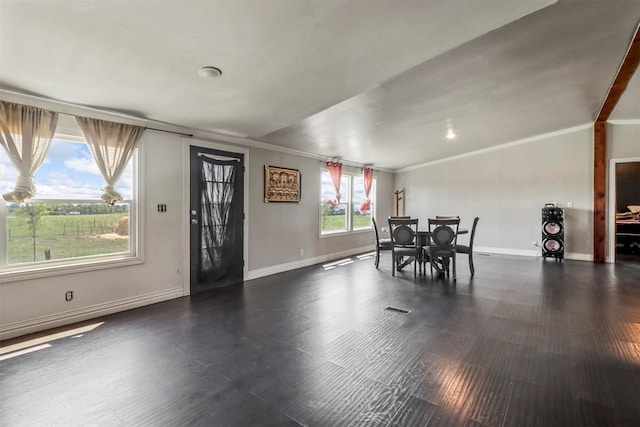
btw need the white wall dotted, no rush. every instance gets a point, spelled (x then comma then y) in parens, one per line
(35, 304)
(623, 140)
(277, 232)
(507, 188)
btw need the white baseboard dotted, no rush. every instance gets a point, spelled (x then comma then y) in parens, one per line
(85, 313)
(281, 268)
(505, 251)
(578, 257)
(528, 252)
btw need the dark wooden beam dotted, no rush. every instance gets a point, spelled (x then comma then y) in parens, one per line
(627, 69)
(599, 190)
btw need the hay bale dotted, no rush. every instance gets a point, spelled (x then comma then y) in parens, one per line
(122, 227)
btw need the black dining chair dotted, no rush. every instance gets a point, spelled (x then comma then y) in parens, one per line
(381, 244)
(443, 235)
(404, 243)
(462, 249)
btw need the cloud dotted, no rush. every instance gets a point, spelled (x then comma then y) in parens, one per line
(67, 149)
(8, 173)
(4, 158)
(59, 185)
(73, 155)
(62, 191)
(68, 172)
(126, 180)
(82, 165)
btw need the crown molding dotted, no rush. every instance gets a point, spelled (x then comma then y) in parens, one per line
(69, 108)
(624, 122)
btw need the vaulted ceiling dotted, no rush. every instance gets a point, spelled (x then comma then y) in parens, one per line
(375, 82)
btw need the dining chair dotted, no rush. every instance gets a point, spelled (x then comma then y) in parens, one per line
(443, 235)
(381, 244)
(404, 243)
(462, 249)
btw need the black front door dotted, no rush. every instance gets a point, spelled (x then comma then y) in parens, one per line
(217, 216)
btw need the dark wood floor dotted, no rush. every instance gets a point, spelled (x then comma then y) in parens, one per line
(525, 343)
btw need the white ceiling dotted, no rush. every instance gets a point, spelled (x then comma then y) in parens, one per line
(374, 82)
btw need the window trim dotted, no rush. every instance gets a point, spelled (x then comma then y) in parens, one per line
(349, 210)
(90, 263)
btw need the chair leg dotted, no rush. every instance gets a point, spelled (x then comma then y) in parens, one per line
(377, 256)
(393, 264)
(454, 267)
(471, 263)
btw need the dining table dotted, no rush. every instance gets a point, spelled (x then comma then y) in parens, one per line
(423, 240)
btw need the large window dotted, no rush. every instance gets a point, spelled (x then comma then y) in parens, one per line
(66, 223)
(346, 216)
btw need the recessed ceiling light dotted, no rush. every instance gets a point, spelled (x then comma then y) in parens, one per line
(209, 72)
(451, 134)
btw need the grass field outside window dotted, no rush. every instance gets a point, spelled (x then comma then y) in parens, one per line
(65, 237)
(346, 216)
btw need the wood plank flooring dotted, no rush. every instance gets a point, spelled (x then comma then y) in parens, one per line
(526, 342)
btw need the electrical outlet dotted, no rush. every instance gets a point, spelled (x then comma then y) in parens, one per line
(534, 243)
(301, 252)
(68, 296)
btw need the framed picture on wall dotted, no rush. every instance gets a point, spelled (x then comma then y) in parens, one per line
(281, 184)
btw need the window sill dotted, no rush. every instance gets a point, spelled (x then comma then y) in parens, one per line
(15, 274)
(346, 233)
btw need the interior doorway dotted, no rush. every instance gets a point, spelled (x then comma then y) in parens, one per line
(625, 208)
(216, 216)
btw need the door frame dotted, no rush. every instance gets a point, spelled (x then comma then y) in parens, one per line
(611, 212)
(186, 218)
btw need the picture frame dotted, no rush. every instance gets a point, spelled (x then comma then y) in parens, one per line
(282, 184)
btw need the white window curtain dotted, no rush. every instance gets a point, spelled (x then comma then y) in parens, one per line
(111, 145)
(26, 133)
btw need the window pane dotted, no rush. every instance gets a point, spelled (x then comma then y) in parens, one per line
(55, 231)
(8, 172)
(68, 172)
(66, 220)
(333, 218)
(361, 218)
